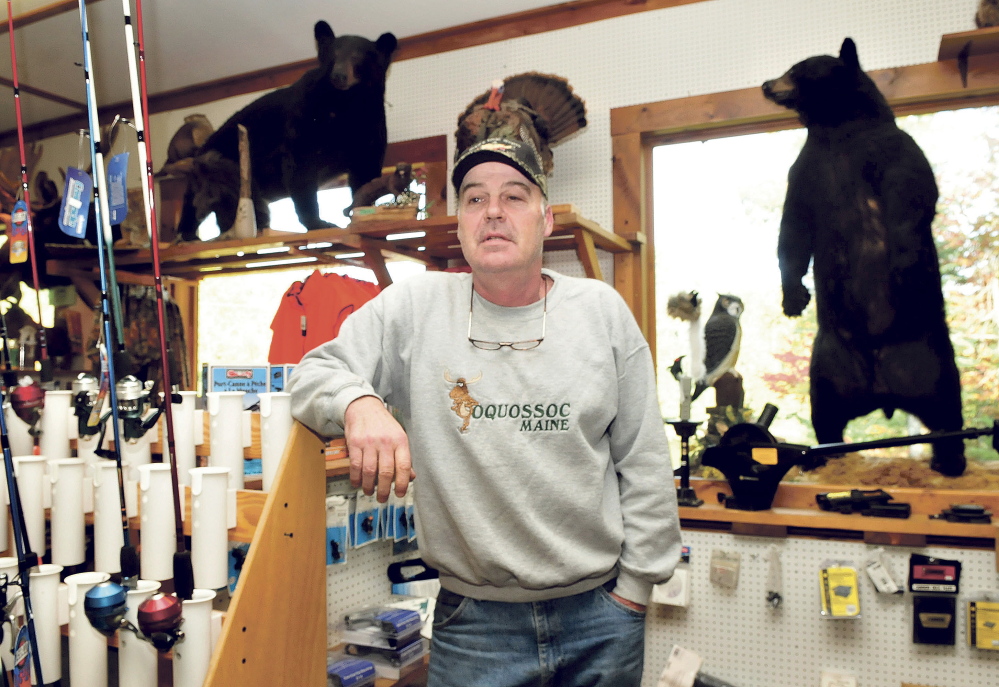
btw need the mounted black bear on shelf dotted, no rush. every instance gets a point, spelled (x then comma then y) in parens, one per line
(329, 122)
(860, 201)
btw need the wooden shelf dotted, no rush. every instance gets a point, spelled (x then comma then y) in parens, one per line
(795, 511)
(377, 239)
(983, 41)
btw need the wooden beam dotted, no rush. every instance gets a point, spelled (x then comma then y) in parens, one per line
(527, 23)
(587, 254)
(629, 199)
(917, 88)
(32, 16)
(54, 97)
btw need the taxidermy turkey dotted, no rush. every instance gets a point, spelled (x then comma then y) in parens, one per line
(987, 14)
(539, 109)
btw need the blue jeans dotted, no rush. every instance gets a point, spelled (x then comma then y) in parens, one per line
(585, 640)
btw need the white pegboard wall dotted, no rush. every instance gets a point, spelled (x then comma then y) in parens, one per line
(749, 644)
(692, 49)
(358, 583)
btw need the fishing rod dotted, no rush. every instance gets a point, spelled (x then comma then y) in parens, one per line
(160, 616)
(182, 566)
(105, 256)
(26, 557)
(46, 364)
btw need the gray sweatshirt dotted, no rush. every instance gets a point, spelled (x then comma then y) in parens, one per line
(540, 473)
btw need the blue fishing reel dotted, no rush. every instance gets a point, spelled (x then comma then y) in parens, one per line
(105, 605)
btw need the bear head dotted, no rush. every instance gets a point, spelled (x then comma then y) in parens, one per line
(352, 60)
(829, 91)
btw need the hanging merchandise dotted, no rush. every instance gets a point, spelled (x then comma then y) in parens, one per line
(775, 575)
(983, 621)
(337, 531)
(839, 591)
(312, 311)
(725, 568)
(76, 197)
(19, 233)
(880, 574)
(934, 583)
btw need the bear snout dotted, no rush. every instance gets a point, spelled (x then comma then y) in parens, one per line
(343, 78)
(780, 91)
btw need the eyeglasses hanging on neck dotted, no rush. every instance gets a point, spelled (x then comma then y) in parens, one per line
(515, 345)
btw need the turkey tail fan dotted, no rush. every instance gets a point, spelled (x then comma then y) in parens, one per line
(552, 99)
(546, 101)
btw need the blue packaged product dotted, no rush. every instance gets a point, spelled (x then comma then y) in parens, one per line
(391, 621)
(350, 672)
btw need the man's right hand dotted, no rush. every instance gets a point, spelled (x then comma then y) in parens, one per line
(378, 448)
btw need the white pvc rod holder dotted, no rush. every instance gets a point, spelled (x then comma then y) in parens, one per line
(54, 424)
(21, 443)
(209, 531)
(226, 433)
(8, 567)
(193, 653)
(157, 531)
(45, 608)
(137, 659)
(109, 535)
(184, 435)
(31, 482)
(275, 426)
(66, 518)
(86, 448)
(137, 452)
(88, 648)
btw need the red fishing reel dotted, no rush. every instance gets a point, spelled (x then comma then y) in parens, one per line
(160, 617)
(27, 400)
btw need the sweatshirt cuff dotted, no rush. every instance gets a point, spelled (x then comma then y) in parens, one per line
(633, 589)
(344, 398)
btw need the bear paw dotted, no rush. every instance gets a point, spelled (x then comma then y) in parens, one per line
(796, 297)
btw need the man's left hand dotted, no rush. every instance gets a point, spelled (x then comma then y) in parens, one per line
(630, 604)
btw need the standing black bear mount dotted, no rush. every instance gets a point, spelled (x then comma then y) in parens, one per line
(329, 122)
(860, 200)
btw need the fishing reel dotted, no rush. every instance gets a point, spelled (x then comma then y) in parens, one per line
(134, 407)
(86, 395)
(27, 400)
(159, 616)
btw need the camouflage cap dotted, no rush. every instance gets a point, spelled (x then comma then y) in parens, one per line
(518, 154)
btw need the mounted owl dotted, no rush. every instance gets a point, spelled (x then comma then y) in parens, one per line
(722, 337)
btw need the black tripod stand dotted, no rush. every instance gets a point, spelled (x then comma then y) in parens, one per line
(685, 429)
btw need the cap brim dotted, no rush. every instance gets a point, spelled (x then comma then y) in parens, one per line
(518, 155)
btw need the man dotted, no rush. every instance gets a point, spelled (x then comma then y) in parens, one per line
(545, 495)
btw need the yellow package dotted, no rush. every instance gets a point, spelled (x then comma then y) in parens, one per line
(983, 624)
(840, 595)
